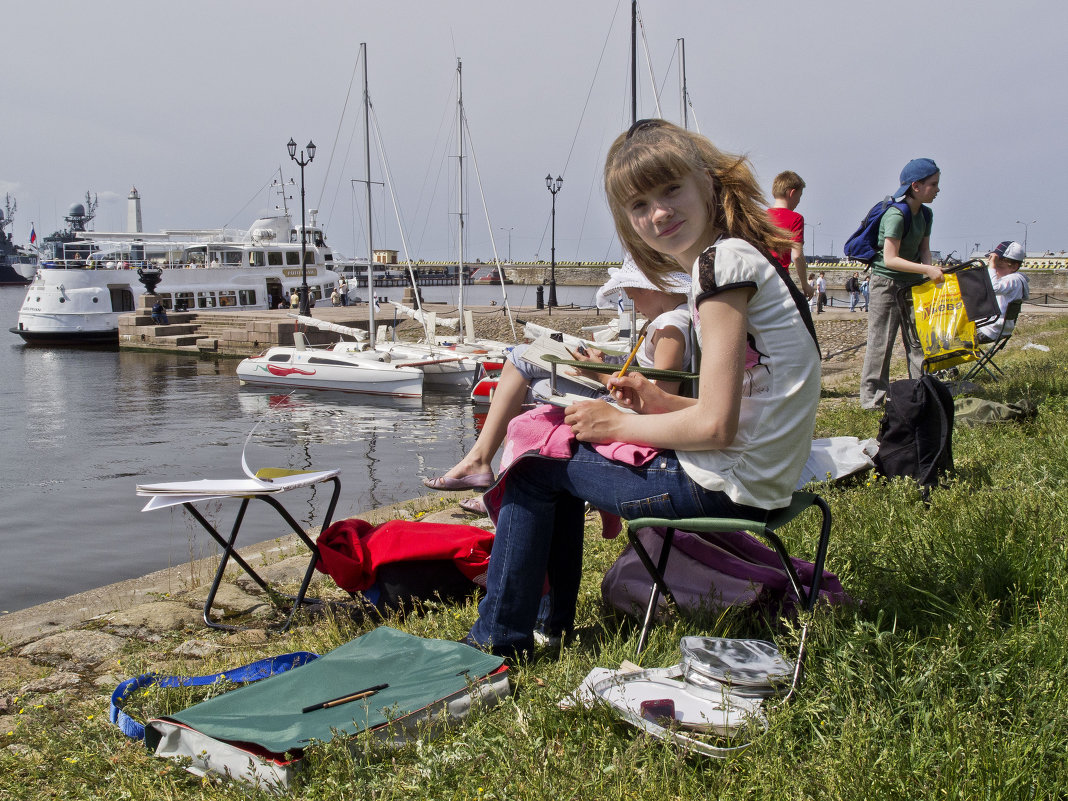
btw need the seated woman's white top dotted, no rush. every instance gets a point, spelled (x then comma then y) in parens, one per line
(779, 391)
(679, 318)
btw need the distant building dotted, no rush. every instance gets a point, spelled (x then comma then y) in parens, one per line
(133, 212)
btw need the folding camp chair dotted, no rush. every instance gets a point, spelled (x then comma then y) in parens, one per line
(986, 355)
(765, 529)
(950, 318)
(268, 484)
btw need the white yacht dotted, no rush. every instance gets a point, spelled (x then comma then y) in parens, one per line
(88, 278)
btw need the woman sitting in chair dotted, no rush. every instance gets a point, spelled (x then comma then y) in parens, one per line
(736, 450)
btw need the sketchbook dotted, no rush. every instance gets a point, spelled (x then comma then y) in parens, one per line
(545, 346)
(565, 399)
(264, 482)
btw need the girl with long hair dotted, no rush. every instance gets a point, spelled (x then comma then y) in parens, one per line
(735, 450)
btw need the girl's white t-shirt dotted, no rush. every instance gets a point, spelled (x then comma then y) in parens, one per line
(780, 388)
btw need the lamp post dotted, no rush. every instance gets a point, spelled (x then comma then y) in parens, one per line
(305, 308)
(553, 187)
(509, 230)
(1026, 225)
(813, 243)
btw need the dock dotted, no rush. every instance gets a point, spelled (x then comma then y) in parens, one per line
(248, 333)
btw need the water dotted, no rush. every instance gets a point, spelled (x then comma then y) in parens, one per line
(82, 427)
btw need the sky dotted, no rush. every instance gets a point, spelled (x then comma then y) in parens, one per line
(193, 104)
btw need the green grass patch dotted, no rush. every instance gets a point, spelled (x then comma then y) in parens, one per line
(946, 679)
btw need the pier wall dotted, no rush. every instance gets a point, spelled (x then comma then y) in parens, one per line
(1053, 281)
(565, 276)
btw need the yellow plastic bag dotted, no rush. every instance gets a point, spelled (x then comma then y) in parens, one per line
(946, 334)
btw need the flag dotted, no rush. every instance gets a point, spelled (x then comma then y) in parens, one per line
(377, 307)
(33, 234)
(619, 301)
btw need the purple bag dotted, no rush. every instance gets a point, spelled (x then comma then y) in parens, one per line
(710, 573)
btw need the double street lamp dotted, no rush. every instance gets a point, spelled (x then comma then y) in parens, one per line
(812, 242)
(553, 187)
(1026, 225)
(305, 308)
(509, 230)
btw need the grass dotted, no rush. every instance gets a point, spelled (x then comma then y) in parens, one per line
(946, 679)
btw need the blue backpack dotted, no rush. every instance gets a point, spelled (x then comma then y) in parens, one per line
(864, 243)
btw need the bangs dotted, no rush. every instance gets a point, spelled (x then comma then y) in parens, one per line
(642, 166)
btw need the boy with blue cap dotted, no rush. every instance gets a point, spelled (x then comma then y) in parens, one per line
(903, 258)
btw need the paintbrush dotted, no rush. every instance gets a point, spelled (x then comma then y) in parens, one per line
(344, 699)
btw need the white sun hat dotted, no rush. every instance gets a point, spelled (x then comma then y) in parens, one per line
(629, 276)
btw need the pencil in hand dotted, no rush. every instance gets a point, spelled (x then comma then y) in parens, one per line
(344, 699)
(633, 353)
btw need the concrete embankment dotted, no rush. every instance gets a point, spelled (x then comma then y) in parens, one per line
(73, 642)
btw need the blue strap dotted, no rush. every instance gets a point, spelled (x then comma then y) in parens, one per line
(247, 673)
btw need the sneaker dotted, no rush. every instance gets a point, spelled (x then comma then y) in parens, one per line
(547, 640)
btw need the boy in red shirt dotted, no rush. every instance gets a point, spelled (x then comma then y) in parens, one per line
(786, 192)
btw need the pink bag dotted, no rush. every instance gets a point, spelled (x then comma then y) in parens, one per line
(709, 573)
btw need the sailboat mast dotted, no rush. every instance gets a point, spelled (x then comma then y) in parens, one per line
(633, 61)
(682, 83)
(460, 183)
(367, 163)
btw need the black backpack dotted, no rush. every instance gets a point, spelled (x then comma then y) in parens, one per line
(916, 432)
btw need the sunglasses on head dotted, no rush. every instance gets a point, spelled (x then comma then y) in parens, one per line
(643, 125)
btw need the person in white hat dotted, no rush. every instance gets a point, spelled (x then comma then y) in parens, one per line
(1009, 284)
(667, 346)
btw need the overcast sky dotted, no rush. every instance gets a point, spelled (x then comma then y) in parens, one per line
(193, 104)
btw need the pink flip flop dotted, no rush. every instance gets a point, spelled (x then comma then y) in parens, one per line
(475, 481)
(474, 505)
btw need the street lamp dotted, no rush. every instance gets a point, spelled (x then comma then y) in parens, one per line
(305, 308)
(553, 187)
(1026, 225)
(813, 243)
(509, 230)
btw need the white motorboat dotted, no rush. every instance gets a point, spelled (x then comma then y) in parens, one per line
(486, 381)
(302, 367)
(452, 366)
(88, 278)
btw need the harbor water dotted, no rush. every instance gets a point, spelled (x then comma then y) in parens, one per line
(83, 427)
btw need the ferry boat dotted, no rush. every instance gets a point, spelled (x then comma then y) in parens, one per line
(17, 265)
(88, 278)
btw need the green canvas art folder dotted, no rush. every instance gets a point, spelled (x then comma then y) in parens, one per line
(428, 681)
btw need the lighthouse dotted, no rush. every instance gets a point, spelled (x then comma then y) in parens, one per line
(133, 212)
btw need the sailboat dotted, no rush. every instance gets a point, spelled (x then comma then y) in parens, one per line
(300, 366)
(461, 370)
(362, 364)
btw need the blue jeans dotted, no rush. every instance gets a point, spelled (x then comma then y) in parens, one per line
(540, 531)
(884, 324)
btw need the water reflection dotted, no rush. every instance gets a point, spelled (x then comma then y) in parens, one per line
(83, 427)
(384, 444)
